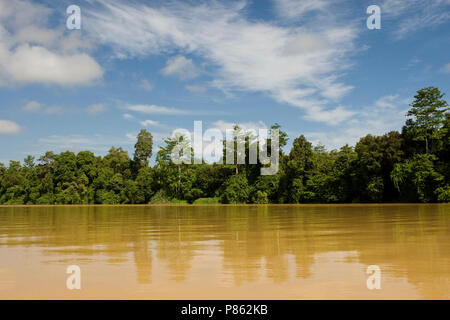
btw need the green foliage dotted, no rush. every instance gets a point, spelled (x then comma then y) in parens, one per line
(260, 197)
(377, 156)
(107, 197)
(235, 190)
(299, 163)
(207, 201)
(160, 197)
(176, 201)
(443, 194)
(427, 115)
(143, 147)
(417, 178)
(412, 166)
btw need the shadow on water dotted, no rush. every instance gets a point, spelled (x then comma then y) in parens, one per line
(252, 242)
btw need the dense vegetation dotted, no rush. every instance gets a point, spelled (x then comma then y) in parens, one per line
(411, 166)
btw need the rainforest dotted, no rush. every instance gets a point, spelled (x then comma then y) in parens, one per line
(408, 166)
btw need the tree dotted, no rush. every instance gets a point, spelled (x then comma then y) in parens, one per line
(282, 136)
(119, 161)
(377, 156)
(171, 170)
(299, 163)
(427, 115)
(411, 166)
(29, 162)
(143, 147)
(417, 178)
(236, 190)
(241, 158)
(344, 175)
(444, 154)
(145, 183)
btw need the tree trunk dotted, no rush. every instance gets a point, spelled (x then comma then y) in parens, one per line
(179, 180)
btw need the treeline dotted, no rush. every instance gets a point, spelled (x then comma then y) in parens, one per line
(411, 166)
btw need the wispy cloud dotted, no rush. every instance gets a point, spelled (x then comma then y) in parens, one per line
(150, 123)
(36, 107)
(9, 127)
(96, 108)
(32, 106)
(146, 85)
(181, 67)
(446, 68)
(412, 63)
(294, 65)
(224, 125)
(196, 88)
(153, 109)
(385, 114)
(79, 142)
(127, 116)
(294, 9)
(412, 15)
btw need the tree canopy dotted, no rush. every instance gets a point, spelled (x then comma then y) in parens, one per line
(411, 166)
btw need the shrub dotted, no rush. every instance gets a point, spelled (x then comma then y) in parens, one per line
(207, 201)
(236, 190)
(176, 201)
(443, 194)
(260, 197)
(160, 197)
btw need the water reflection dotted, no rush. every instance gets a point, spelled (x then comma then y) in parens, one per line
(287, 249)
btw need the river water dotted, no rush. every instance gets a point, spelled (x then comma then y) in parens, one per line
(226, 252)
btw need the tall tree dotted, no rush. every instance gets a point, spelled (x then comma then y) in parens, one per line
(427, 115)
(299, 163)
(143, 147)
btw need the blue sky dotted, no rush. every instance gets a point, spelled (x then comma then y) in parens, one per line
(311, 66)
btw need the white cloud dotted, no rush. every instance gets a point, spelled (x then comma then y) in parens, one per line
(387, 102)
(127, 116)
(146, 85)
(256, 56)
(53, 110)
(131, 136)
(446, 68)
(295, 8)
(79, 142)
(304, 43)
(9, 127)
(181, 67)
(30, 52)
(147, 123)
(332, 117)
(412, 63)
(153, 109)
(195, 88)
(96, 108)
(35, 64)
(34, 106)
(385, 114)
(413, 15)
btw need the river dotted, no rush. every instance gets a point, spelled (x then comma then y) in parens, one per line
(226, 252)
